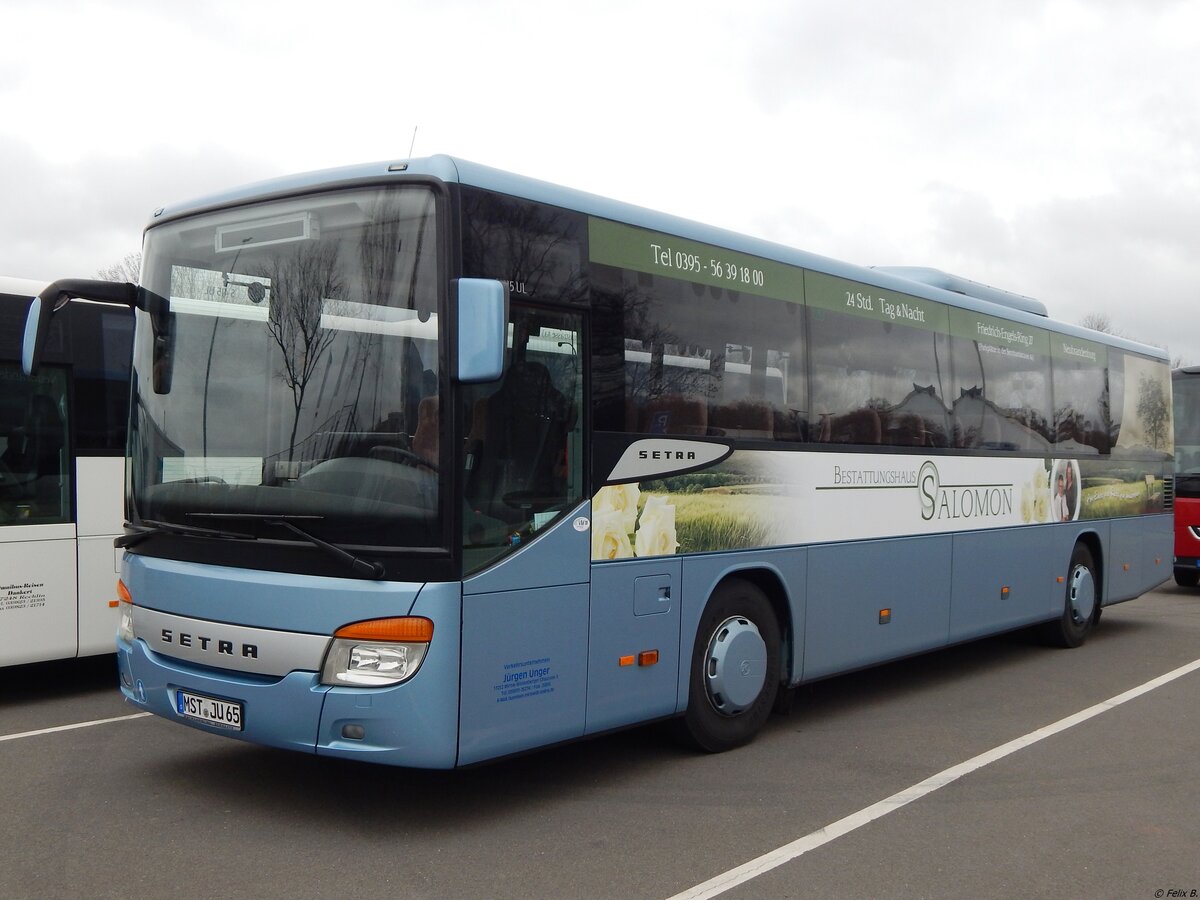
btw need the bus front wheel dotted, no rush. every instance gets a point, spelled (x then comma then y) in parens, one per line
(734, 670)
(1187, 577)
(1081, 605)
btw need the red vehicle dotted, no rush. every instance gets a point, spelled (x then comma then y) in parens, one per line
(1185, 388)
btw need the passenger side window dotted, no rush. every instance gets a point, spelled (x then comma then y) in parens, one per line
(695, 360)
(1080, 396)
(878, 363)
(35, 470)
(1001, 393)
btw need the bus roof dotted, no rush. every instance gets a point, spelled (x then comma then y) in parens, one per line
(923, 282)
(21, 287)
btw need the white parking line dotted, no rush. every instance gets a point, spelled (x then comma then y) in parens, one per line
(26, 734)
(768, 861)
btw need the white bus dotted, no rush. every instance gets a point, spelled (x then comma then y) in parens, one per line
(62, 447)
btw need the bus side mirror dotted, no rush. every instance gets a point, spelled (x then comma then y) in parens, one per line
(53, 298)
(481, 313)
(37, 327)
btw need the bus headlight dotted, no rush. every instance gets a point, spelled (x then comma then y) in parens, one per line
(377, 653)
(125, 614)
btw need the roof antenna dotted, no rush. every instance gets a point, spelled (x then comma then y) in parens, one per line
(414, 142)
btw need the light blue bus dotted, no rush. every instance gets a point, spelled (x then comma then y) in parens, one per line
(430, 464)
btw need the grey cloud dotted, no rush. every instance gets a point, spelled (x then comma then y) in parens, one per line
(70, 219)
(1130, 254)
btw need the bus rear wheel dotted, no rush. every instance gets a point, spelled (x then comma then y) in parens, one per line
(734, 669)
(1187, 577)
(1081, 605)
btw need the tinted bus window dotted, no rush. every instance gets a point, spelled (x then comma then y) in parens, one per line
(1080, 396)
(1001, 384)
(102, 342)
(694, 339)
(694, 359)
(879, 366)
(35, 470)
(535, 249)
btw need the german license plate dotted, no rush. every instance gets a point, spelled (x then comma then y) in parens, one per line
(221, 713)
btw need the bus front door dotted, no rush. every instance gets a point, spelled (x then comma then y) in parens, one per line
(525, 612)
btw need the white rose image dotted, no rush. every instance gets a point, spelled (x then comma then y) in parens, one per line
(1036, 495)
(1028, 494)
(656, 529)
(618, 498)
(610, 540)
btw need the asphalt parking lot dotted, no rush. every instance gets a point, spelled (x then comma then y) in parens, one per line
(861, 790)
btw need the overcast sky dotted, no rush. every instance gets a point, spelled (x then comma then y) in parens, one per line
(1049, 147)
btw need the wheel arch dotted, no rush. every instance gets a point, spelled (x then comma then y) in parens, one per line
(771, 584)
(771, 577)
(1095, 546)
(737, 622)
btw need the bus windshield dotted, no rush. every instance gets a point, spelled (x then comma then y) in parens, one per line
(288, 388)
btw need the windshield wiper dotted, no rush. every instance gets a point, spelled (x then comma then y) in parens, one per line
(358, 565)
(157, 527)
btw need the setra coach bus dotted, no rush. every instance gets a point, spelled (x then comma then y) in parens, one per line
(430, 464)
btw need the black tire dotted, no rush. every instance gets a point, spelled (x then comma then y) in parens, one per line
(1187, 577)
(1081, 603)
(736, 643)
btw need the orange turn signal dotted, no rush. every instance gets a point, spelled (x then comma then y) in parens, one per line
(123, 593)
(625, 661)
(647, 657)
(401, 629)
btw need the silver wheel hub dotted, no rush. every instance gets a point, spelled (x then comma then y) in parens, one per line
(735, 666)
(1082, 594)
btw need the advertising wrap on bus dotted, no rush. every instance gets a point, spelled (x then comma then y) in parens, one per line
(762, 498)
(699, 469)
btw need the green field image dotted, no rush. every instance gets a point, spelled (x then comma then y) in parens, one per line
(1105, 497)
(724, 510)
